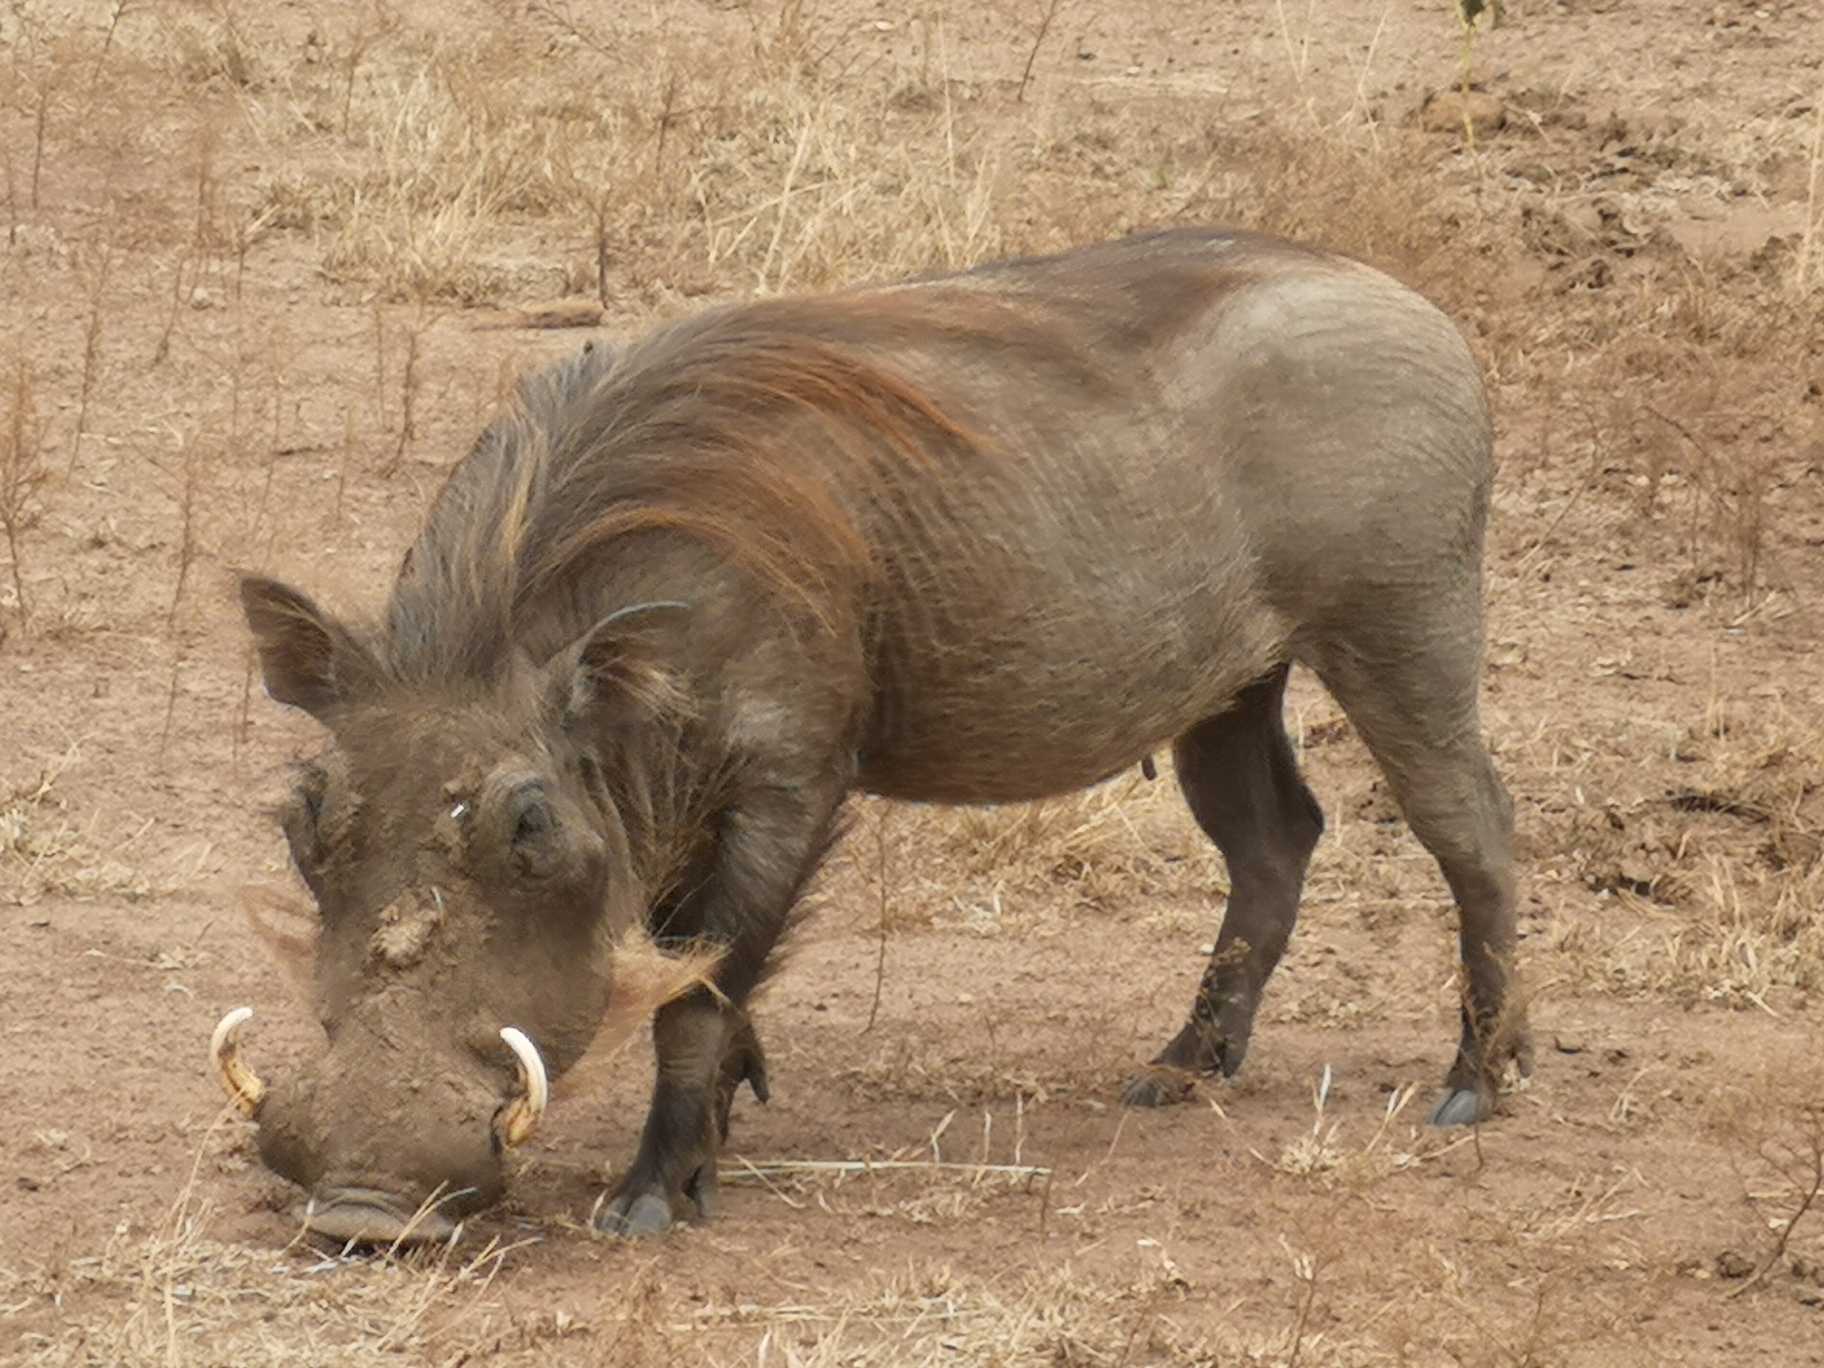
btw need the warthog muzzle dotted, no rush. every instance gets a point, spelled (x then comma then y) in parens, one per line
(386, 1171)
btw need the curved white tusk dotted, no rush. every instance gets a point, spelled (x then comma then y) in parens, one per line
(241, 1083)
(522, 1115)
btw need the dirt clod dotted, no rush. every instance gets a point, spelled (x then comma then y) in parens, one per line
(1452, 111)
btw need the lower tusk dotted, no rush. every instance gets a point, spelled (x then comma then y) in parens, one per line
(521, 1116)
(241, 1083)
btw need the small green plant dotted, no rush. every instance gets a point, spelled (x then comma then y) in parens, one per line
(1469, 17)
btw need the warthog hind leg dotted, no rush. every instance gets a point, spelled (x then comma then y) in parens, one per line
(1239, 776)
(1409, 683)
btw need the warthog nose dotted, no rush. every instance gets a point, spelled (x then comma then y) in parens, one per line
(368, 1216)
(395, 1145)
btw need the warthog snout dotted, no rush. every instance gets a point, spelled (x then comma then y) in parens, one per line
(402, 1166)
(349, 1215)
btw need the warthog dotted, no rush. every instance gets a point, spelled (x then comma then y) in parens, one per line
(973, 539)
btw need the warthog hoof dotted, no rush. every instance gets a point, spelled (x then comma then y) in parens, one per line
(648, 1208)
(1462, 1107)
(1160, 1086)
(628, 1217)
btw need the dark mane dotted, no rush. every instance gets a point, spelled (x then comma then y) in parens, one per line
(718, 430)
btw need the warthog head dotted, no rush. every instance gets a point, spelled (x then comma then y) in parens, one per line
(469, 884)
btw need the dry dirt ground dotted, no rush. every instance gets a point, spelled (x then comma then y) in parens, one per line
(267, 266)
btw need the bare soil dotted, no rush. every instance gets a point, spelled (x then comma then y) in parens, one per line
(266, 268)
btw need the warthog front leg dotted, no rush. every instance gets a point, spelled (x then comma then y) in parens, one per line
(706, 1051)
(705, 1045)
(1242, 783)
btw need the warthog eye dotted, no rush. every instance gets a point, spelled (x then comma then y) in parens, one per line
(302, 818)
(534, 825)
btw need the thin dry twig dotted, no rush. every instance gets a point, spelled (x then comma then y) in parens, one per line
(842, 1168)
(1032, 54)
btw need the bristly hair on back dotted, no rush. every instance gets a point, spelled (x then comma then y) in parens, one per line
(719, 430)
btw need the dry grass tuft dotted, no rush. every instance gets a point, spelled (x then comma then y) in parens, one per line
(955, 1072)
(934, 1315)
(1127, 843)
(43, 853)
(1716, 867)
(916, 1191)
(765, 182)
(694, 169)
(1323, 1157)
(177, 1297)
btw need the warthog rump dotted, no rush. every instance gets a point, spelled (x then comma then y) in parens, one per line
(979, 538)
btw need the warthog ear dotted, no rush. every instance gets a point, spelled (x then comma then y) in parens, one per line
(626, 661)
(309, 660)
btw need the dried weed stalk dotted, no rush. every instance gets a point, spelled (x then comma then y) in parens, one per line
(1774, 1126)
(1802, 265)
(100, 265)
(22, 476)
